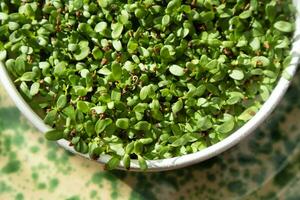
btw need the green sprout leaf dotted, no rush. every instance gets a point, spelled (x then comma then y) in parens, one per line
(50, 117)
(61, 102)
(122, 123)
(142, 126)
(176, 70)
(83, 106)
(117, 30)
(34, 89)
(126, 161)
(142, 163)
(284, 26)
(28, 76)
(3, 55)
(54, 135)
(113, 163)
(102, 124)
(177, 106)
(237, 74)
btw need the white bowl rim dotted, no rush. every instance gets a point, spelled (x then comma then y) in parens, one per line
(185, 160)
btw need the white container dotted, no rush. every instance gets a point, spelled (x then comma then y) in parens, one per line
(182, 161)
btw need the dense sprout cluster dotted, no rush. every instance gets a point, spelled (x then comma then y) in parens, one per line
(145, 79)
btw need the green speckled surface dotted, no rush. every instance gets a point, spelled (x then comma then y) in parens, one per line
(266, 165)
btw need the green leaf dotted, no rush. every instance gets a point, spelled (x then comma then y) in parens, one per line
(97, 53)
(61, 102)
(83, 106)
(140, 107)
(20, 65)
(100, 27)
(117, 45)
(69, 111)
(113, 163)
(144, 52)
(3, 55)
(154, 105)
(82, 53)
(261, 60)
(182, 32)
(145, 91)
(102, 124)
(50, 117)
(173, 6)
(117, 148)
(227, 126)
(60, 68)
(146, 140)
(176, 107)
(142, 163)
(26, 50)
(81, 147)
(54, 135)
(77, 4)
(111, 105)
(117, 30)
(284, 26)
(234, 97)
(167, 52)
(122, 123)
(116, 71)
(94, 150)
(287, 61)
(138, 147)
(166, 20)
(179, 142)
(115, 95)
(75, 140)
(129, 148)
(89, 128)
(99, 109)
(124, 17)
(80, 90)
(176, 70)
(105, 71)
(271, 11)
(132, 46)
(28, 76)
(255, 44)
(84, 73)
(156, 114)
(237, 74)
(195, 92)
(24, 88)
(286, 75)
(212, 64)
(34, 89)
(85, 29)
(264, 92)
(142, 126)
(126, 161)
(248, 113)
(3, 16)
(246, 14)
(104, 3)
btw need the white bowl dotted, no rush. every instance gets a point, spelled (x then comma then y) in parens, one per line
(185, 160)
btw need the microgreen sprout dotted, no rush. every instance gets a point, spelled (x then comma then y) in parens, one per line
(149, 79)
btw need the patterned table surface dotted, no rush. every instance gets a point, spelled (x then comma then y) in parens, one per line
(266, 165)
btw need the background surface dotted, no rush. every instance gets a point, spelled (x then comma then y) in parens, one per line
(264, 166)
